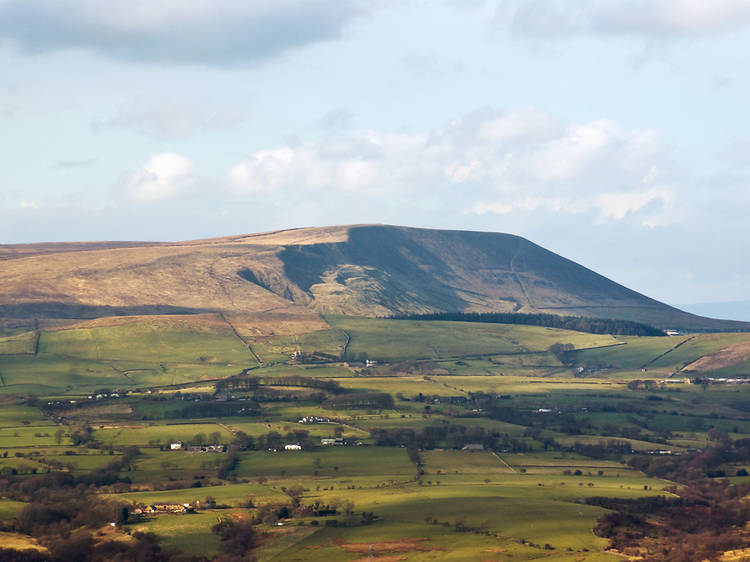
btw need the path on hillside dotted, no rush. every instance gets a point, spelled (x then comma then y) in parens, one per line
(518, 279)
(243, 340)
(212, 275)
(231, 431)
(37, 336)
(670, 350)
(346, 345)
(498, 457)
(228, 295)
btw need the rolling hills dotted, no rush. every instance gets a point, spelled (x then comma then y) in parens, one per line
(279, 278)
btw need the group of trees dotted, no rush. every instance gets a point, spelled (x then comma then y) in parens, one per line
(247, 382)
(577, 323)
(707, 518)
(63, 513)
(361, 400)
(214, 409)
(237, 538)
(434, 436)
(272, 440)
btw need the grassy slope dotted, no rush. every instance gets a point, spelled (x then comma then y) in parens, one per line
(408, 339)
(124, 352)
(671, 354)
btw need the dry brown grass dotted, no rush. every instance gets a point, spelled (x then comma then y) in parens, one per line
(276, 324)
(193, 277)
(386, 558)
(406, 544)
(742, 554)
(375, 271)
(17, 541)
(725, 357)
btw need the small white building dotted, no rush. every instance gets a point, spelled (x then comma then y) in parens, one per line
(293, 447)
(176, 446)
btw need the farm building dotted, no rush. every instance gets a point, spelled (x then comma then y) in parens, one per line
(177, 445)
(162, 508)
(207, 449)
(473, 447)
(293, 447)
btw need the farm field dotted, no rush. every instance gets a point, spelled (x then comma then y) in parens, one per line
(455, 440)
(395, 340)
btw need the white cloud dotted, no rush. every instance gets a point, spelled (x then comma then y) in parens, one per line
(552, 204)
(488, 162)
(164, 176)
(261, 172)
(191, 31)
(617, 205)
(630, 18)
(307, 167)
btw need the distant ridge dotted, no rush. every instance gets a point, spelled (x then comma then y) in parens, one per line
(371, 270)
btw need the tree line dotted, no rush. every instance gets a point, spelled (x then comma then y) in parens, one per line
(705, 516)
(575, 323)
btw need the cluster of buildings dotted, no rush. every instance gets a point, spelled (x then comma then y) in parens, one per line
(725, 381)
(103, 395)
(155, 508)
(314, 419)
(180, 446)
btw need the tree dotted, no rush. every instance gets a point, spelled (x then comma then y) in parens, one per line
(236, 538)
(347, 506)
(563, 352)
(718, 435)
(295, 492)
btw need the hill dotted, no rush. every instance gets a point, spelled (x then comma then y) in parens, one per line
(295, 275)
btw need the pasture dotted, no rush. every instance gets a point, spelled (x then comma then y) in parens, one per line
(401, 340)
(538, 414)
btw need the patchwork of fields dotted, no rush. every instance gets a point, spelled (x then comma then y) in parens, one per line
(409, 401)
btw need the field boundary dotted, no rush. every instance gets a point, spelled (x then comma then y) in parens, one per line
(667, 352)
(243, 340)
(498, 457)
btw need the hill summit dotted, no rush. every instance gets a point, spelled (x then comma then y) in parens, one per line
(372, 270)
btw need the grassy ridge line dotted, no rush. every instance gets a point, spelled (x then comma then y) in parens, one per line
(575, 323)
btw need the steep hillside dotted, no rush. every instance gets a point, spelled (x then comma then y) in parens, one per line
(355, 270)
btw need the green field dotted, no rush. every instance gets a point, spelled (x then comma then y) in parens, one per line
(18, 344)
(452, 382)
(399, 340)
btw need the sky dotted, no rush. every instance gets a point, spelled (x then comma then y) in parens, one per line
(613, 132)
